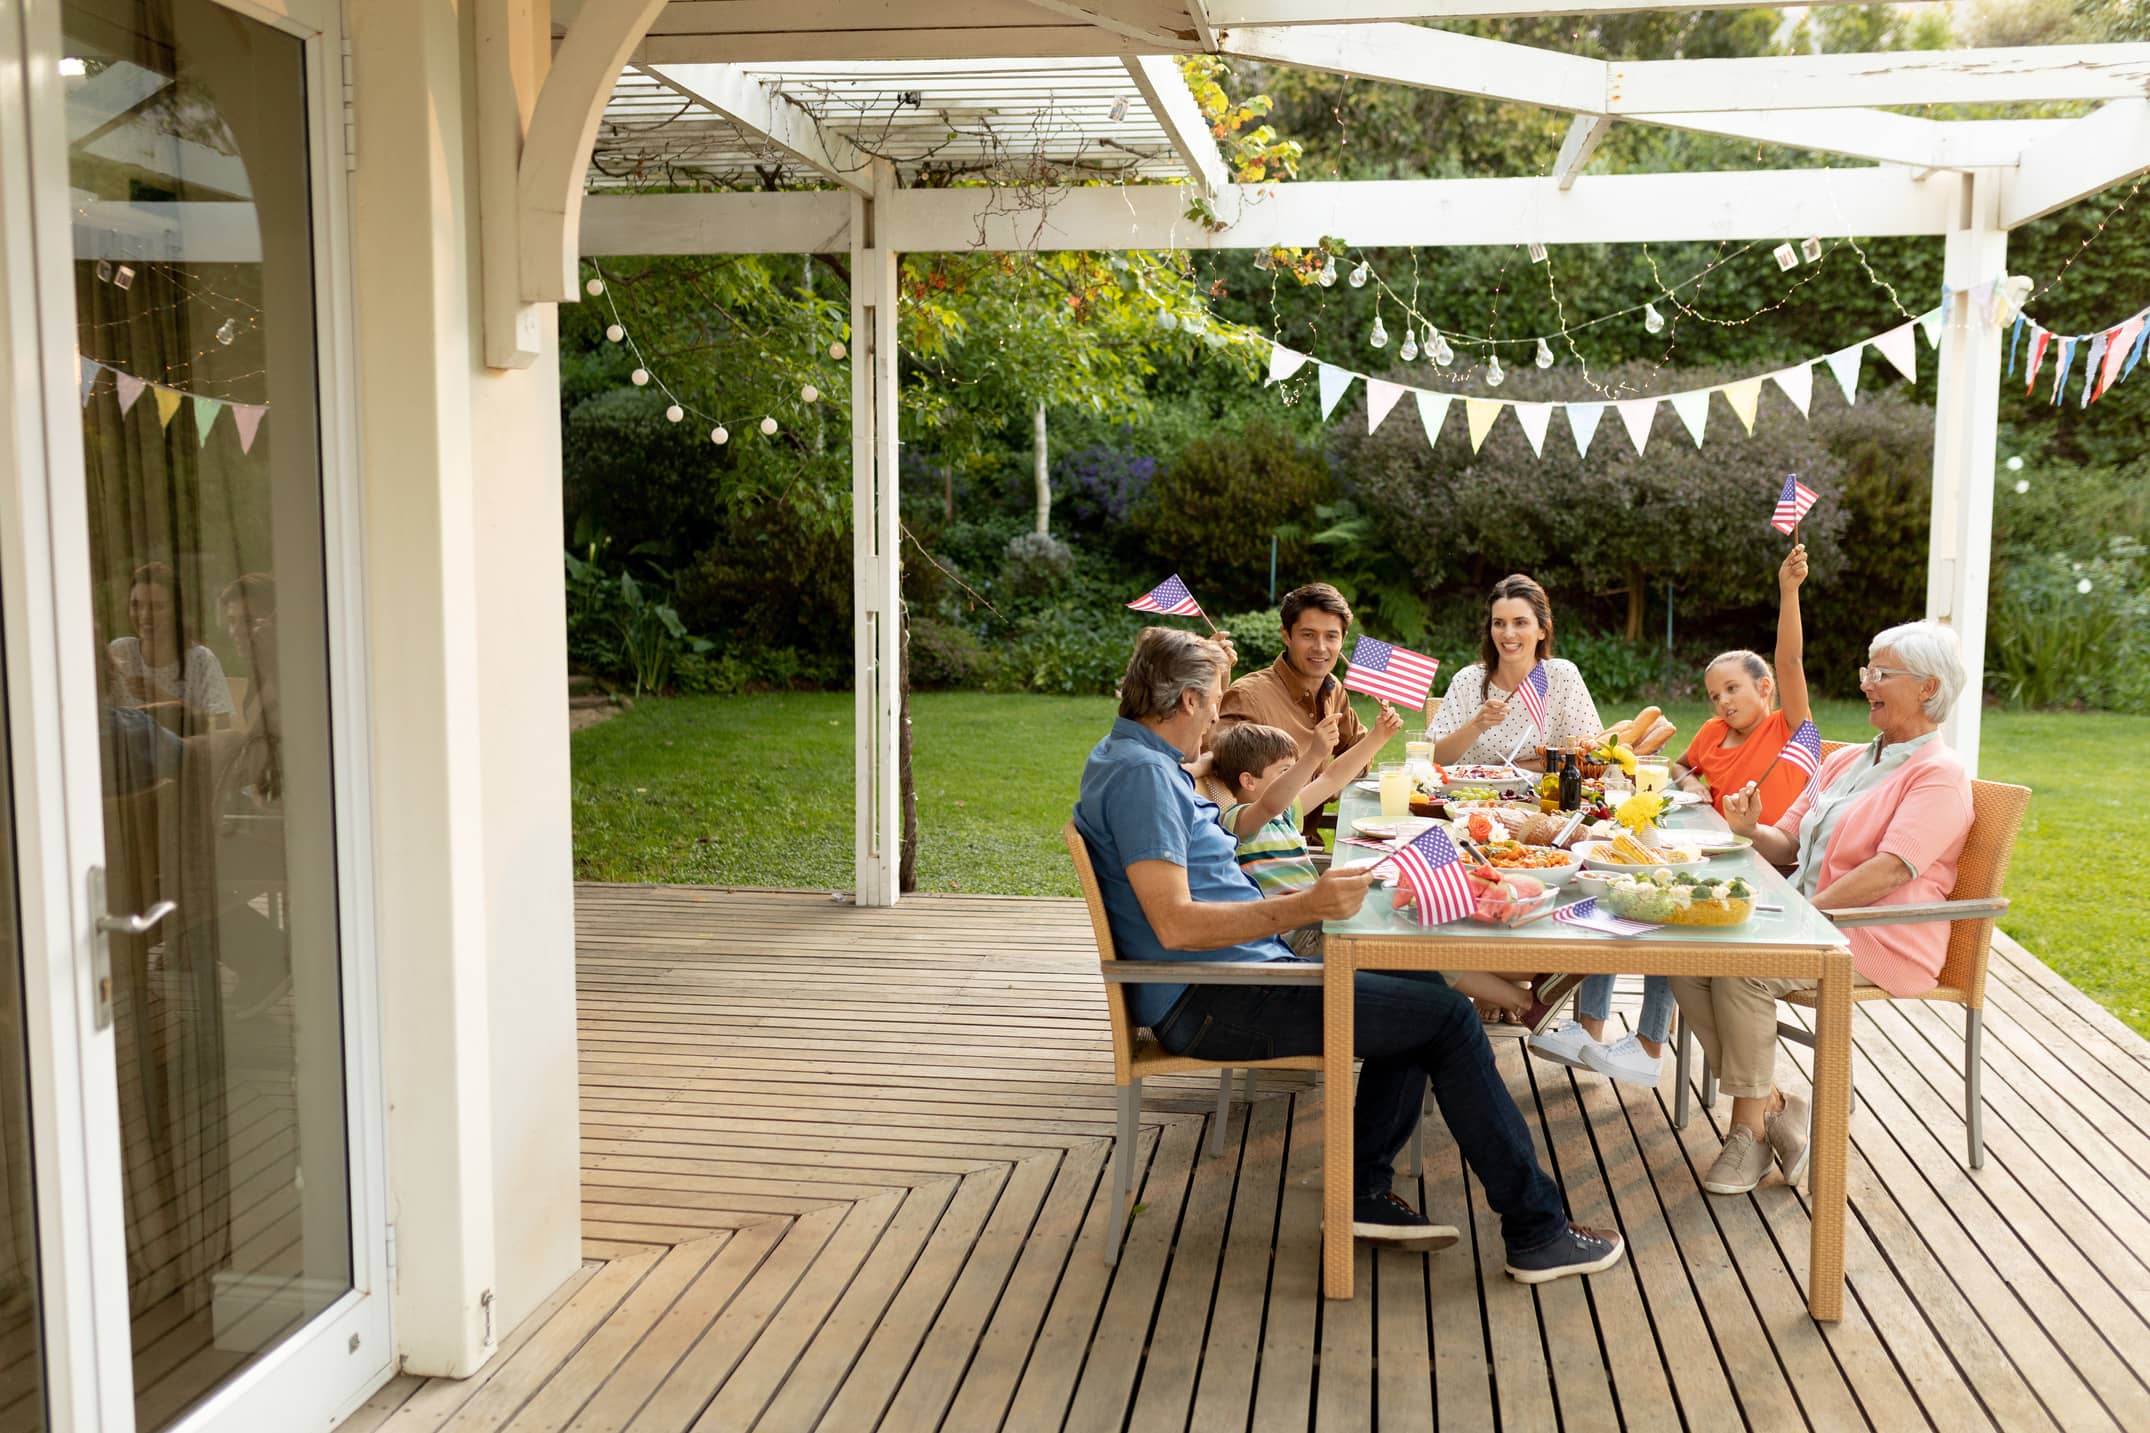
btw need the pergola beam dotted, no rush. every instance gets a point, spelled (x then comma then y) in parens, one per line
(1585, 133)
(1164, 90)
(1224, 13)
(1808, 82)
(757, 107)
(2086, 155)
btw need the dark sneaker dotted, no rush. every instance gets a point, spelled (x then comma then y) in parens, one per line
(1549, 993)
(1576, 1251)
(1388, 1221)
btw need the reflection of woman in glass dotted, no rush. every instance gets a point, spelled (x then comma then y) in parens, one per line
(158, 664)
(248, 609)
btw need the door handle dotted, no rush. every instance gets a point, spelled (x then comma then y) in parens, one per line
(105, 926)
(140, 924)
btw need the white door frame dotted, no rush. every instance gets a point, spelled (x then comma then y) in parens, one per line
(318, 1375)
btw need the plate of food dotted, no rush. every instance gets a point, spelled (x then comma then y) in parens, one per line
(1499, 778)
(1549, 864)
(1679, 899)
(1717, 843)
(1625, 853)
(1373, 828)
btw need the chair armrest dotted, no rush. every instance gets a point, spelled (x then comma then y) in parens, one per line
(1210, 972)
(1919, 914)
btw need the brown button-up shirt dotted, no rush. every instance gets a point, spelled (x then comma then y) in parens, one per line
(1271, 697)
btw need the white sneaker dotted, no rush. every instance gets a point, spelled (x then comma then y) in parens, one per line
(1625, 1059)
(1566, 1044)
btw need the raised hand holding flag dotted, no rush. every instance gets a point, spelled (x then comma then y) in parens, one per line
(1432, 872)
(1794, 503)
(1804, 751)
(1391, 673)
(1172, 598)
(1535, 692)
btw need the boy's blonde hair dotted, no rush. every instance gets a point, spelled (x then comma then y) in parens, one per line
(1247, 748)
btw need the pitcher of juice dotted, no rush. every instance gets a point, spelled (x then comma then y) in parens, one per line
(1395, 791)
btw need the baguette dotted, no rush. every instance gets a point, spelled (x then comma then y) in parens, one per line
(1658, 736)
(1640, 727)
(1616, 733)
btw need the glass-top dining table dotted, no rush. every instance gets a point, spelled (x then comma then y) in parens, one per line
(1794, 940)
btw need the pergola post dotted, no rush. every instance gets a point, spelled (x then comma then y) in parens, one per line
(1966, 424)
(875, 588)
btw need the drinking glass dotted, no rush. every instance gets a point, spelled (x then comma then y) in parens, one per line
(1395, 791)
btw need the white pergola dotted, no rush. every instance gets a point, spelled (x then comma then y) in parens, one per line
(858, 97)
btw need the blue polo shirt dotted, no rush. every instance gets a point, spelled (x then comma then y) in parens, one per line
(1136, 804)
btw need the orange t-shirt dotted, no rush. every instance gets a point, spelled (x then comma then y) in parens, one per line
(1730, 768)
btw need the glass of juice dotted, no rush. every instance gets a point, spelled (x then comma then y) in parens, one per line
(1418, 750)
(1395, 791)
(1651, 776)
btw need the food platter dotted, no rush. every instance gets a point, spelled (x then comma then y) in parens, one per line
(1464, 777)
(1597, 855)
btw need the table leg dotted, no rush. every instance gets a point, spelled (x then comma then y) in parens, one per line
(1831, 1135)
(1336, 1101)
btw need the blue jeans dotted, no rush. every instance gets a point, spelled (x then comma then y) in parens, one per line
(1409, 1028)
(1593, 1000)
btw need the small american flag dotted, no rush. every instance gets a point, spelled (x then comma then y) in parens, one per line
(1169, 596)
(1587, 915)
(1794, 503)
(1534, 691)
(1432, 872)
(1804, 751)
(1394, 674)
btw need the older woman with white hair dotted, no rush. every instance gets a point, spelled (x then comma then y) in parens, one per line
(1884, 825)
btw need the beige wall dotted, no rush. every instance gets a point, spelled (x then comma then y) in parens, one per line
(460, 468)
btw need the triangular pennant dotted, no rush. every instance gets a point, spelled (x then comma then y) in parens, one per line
(1930, 325)
(1637, 414)
(246, 417)
(2060, 372)
(129, 387)
(1996, 305)
(1381, 396)
(2015, 336)
(1583, 423)
(2092, 367)
(1535, 418)
(2116, 352)
(2040, 339)
(205, 416)
(1901, 348)
(1948, 303)
(2135, 354)
(1745, 396)
(1335, 382)
(167, 405)
(1844, 363)
(1694, 411)
(1479, 414)
(1797, 383)
(87, 377)
(1432, 413)
(1283, 362)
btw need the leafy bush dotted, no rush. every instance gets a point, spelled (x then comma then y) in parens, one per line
(1357, 557)
(1884, 447)
(2066, 633)
(1036, 564)
(1066, 652)
(1213, 508)
(1096, 488)
(1258, 636)
(947, 654)
(619, 628)
(1615, 669)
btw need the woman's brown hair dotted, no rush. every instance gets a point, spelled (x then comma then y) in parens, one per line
(1524, 588)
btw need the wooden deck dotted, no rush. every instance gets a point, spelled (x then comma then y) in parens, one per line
(842, 1169)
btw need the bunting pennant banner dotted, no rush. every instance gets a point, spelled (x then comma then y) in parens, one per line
(1479, 414)
(129, 388)
(246, 417)
(1930, 325)
(2092, 367)
(1797, 383)
(2135, 354)
(1637, 414)
(2039, 342)
(1432, 413)
(205, 416)
(1535, 418)
(1694, 411)
(1583, 423)
(1381, 396)
(2060, 372)
(2116, 352)
(1745, 397)
(1900, 347)
(86, 378)
(2015, 336)
(1335, 382)
(167, 405)
(1844, 363)
(1283, 362)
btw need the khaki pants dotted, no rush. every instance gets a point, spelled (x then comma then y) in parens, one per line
(1735, 1018)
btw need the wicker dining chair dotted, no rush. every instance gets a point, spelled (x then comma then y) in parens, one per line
(1972, 906)
(1136, 1054)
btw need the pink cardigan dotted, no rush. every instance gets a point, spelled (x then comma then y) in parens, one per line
(1921, 814)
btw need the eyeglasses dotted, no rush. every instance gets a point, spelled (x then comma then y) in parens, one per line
(1870, 675)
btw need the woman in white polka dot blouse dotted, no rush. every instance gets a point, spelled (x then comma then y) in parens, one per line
(1483, 721)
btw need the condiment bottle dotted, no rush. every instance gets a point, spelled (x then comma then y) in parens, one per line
(1571, 784)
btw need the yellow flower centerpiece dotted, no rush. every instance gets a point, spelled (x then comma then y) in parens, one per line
(1641, 814)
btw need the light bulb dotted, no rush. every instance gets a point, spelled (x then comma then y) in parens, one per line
(2015, 464)
(2083, 586)
(1446, 353)
(674, 413)
(1652, 320)
(1328, 272)
(2023, 485)
(1494, 377)
(227, 331)
(1379, 338)
(1545, 354)
(768, 427)
(718, 436)
(1360, 273)
(594, 287)
(639, 377)
(614, 332)
(836, 351)
(1409, 350)
(810, 394)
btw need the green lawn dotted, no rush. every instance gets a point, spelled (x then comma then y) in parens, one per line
(756, 791)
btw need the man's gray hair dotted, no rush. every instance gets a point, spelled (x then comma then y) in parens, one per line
(1167, 663)
(1927, 649)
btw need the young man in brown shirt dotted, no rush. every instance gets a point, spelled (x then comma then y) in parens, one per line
(1297, 690)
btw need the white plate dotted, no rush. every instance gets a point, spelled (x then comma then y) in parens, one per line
(1590, 852)
(1684, 798)
(1716, 843)
(1376, 829)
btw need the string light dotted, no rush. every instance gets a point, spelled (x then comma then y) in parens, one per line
(1359, 273)
(1409, 350)
(1494, 377)
(1379, 338)
(1652, 320)
(1545, 354)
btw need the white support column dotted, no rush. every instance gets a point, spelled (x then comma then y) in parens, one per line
(876, 612)
(1966, 420)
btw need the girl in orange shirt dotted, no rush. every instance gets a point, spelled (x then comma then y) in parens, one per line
(1742, 741)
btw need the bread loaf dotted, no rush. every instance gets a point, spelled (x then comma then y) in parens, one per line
(1658, 735)
(1640, 726)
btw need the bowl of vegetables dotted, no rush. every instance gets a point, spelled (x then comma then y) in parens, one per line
(1679, 898)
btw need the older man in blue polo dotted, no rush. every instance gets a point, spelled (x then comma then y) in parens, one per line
(1174, 891)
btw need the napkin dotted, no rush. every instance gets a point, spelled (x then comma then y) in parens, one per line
(1589, 916)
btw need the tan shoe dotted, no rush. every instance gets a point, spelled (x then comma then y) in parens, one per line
(1788, 1130)
(1740, 1165)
